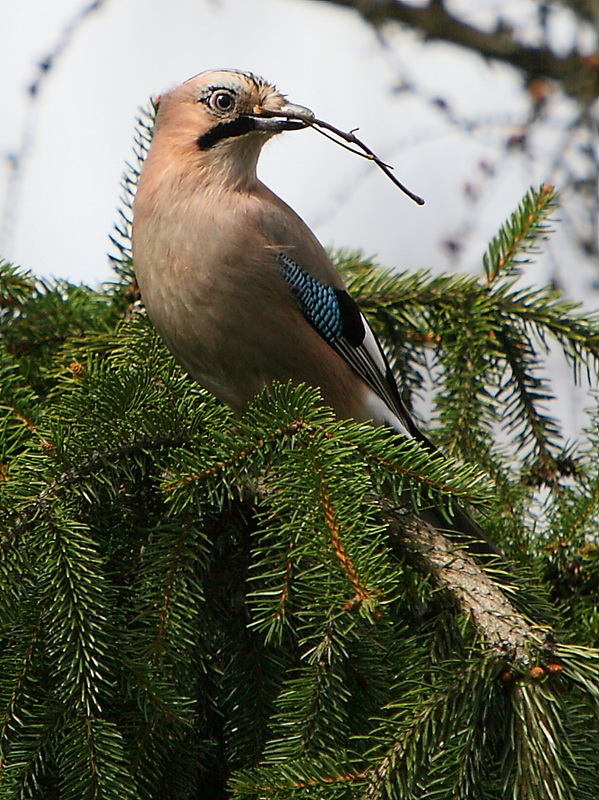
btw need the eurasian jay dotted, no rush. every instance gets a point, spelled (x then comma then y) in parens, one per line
(236, 283)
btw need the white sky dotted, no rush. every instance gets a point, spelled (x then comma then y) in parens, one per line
(80, 130)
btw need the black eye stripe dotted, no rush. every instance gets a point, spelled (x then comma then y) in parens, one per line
(225, 130)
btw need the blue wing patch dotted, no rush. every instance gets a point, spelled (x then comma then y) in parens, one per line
(338, 320)
(319, 303)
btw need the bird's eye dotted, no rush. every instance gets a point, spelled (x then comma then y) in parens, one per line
(222, 101)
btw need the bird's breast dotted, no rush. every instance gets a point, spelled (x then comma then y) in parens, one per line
(207, 268)
(213, 296)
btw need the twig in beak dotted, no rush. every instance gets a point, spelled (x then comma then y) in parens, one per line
(364, 151)
(347, 147)
(367, 153)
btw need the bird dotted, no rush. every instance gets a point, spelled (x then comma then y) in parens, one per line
(236, 283)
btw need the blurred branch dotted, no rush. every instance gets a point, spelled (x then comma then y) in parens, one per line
(15, 159)
(586, 9)
(577, 74)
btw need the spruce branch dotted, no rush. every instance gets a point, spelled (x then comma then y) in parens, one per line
(520, 234)
(25, 755)
(121, 259)
(545, 312)
(331, 775)
(362, 593)
(425, 725)
(486, 341)
(92, 762)
(239, 451)
(43, 500)
(523, 395)
(17, 287)
(168, 594)
(543, 760)
(74, 592)
(18, 680)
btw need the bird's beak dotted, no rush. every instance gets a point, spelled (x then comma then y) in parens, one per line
(289, 117)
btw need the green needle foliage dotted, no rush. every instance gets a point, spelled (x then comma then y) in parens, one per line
(194, 605)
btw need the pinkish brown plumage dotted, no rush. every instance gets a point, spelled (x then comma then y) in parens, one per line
(207, 240)
(236, 283)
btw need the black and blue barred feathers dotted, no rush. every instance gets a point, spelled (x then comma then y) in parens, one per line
(319, 303)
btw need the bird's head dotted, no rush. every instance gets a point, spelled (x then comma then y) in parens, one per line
(225, 116)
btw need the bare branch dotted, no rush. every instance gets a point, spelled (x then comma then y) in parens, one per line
(504, 630)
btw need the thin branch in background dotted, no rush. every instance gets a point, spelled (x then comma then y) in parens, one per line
(577, 73)
(16, 159)
(515, 134)
(551, 80)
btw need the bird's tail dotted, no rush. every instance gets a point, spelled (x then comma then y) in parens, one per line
(457, 523)
(460, 526)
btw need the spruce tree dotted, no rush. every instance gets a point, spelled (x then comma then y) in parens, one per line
(195, 605)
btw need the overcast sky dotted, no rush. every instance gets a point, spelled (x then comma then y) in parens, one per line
(78, 132)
